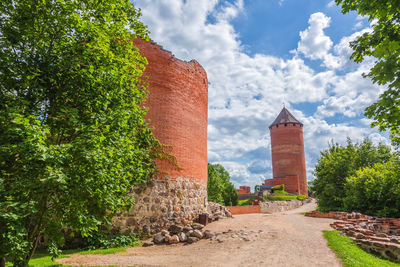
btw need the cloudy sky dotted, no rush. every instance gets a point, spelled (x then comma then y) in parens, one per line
(259, 54)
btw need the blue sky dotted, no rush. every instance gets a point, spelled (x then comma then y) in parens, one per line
(259, 54)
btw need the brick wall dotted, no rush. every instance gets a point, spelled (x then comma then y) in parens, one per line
(177, 109)
(178, 106)
(244, 209)
(288, 158)
(291, 183)
(243, 189)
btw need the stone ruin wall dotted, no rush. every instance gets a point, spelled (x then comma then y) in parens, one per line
(178, 106)
(380, 236)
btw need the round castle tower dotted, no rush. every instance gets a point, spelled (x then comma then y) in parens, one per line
(288, 160)
(177, 111)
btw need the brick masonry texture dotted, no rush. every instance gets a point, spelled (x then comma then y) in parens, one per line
(177, 110)
(244, 209)
(178, 106)
(288, 160)
(380, 236)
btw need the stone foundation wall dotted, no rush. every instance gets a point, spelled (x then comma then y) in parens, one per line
(279, 206)
(165, 203)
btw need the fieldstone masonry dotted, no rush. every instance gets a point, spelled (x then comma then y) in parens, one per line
(166, 203)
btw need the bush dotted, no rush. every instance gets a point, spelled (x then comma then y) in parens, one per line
(104, 240)
(375, 190)
(301, 197)
(339, 162)
(219, 187)
(280, 192)
(280, 197)
(246, 202)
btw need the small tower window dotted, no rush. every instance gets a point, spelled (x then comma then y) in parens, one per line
(285, 124)
(294, 124)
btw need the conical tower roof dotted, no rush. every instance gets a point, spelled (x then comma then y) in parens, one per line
(285, 117)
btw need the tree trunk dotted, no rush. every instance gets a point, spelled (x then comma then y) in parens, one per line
(2, 262)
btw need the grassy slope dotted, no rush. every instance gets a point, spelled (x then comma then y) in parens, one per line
(351, 254)
(42, 258)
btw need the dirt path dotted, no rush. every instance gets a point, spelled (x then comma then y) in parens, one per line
(280, 239)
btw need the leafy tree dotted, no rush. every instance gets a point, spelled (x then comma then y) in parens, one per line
(375, 190)
(219, 187)
(215, 185)
(339, 162)
(73, 139)
(382, 43)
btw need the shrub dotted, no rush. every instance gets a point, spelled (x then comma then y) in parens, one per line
(339, 162)
(280, 192)
(104, 240)
(375, 190)
(301, 197)
(280, 197)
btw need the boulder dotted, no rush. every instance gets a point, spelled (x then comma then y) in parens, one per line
(175, 229)
(147, 244)
(173, 239)
(197, 233)
(166, 238)
(192, 239)
(187, 229)
(208, 234)
(164, 232)
(197, 226)
(158, 239)
(182, 237)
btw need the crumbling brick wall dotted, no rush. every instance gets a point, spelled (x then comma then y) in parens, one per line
(177, 110)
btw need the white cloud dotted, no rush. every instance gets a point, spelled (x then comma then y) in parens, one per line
(246, 92)
(331, 4)
(314, 44)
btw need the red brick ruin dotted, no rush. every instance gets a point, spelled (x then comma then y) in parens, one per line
(177, 110)
(178, 106)
(288, 160)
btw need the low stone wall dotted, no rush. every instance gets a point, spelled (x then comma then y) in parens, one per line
(279, 206)
(244, 209)
(268, 207)
(165, 203)
(380, 236)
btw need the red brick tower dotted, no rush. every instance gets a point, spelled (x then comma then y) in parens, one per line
(178, 106)
(288, 160)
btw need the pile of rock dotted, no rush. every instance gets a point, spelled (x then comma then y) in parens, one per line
(177, 233)
(376, 235)
(216, 211)
(366, 234)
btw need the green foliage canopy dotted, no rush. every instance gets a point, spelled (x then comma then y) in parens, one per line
(339, 162)
(382, 43)
(73, 139)
(219, 187)
(375, 190)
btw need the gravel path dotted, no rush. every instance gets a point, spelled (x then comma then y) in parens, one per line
(279, 239)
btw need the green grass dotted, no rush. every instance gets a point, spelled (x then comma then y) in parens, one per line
(351, 254)
(280, 197)
(280, 192)
(42, 258)
(246, 202)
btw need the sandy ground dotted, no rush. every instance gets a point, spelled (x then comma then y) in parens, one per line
(279, 239)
